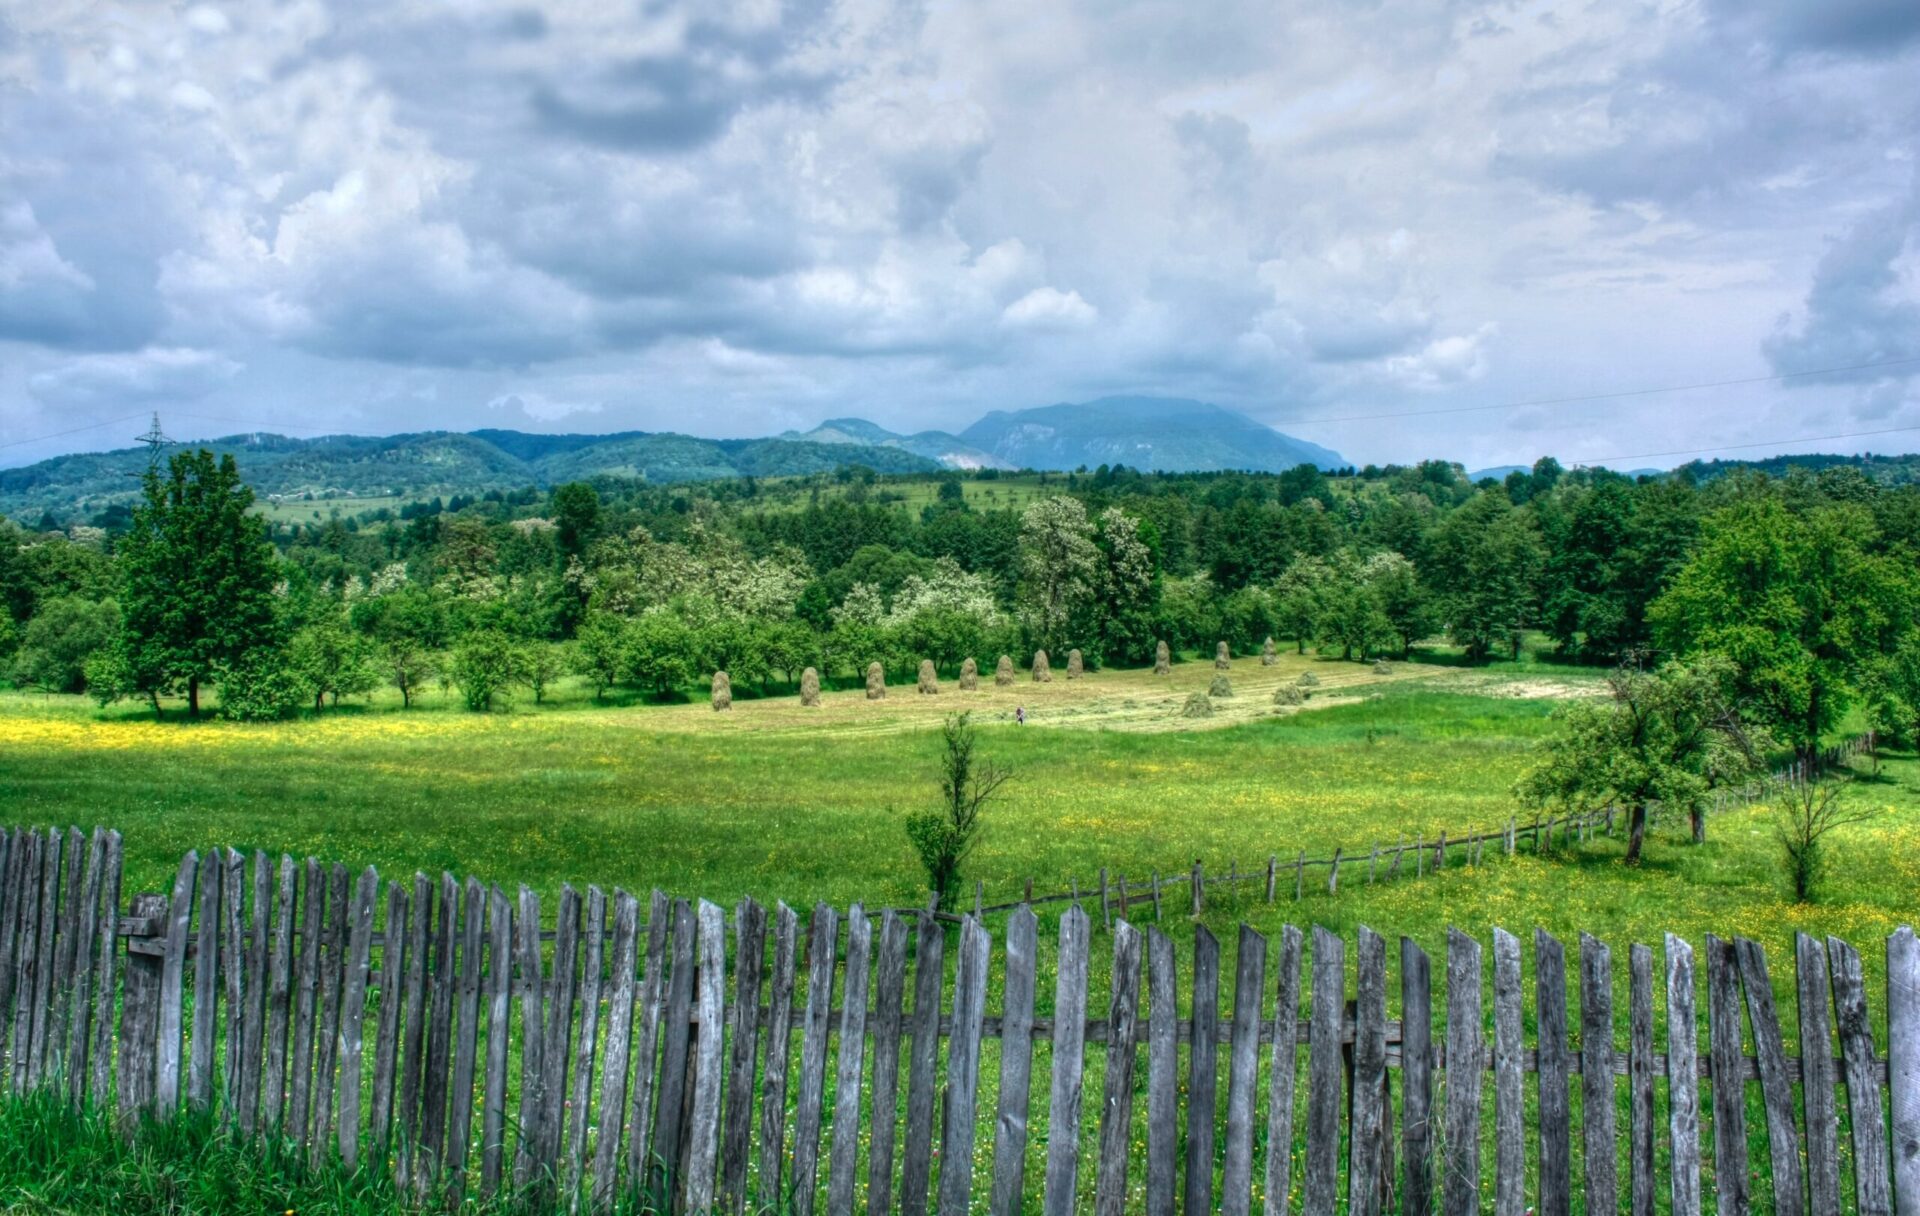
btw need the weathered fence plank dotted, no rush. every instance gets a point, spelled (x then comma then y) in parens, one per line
(166, 1084)
(1416, 1072)
(1724, 1034)
(139, 1017)
(233, 966)
(306, 994)
(709, 1077)
(1163, 1055)
(1817, 1073)
(850, 1067)
(279, 999)
(1243, 1073)
(1555, 1120)
(773, 1085)
(85, 931)
(1776, 1077)
(1069, 1030)
(1597, 1106)
(466, 1047)
(822, 948)
(613, 1077)
(106, 976)
(531, 987)
(327, 1049)
(493, 1102)
(556, 1058)
(1366, 1156)
(916, 1167)
(206, 980)
(438, 1055)
(1683, 1079)
(1903, 1066)
(1203, 1069)
(1324, 1067)
(1640, 1080)
(585, 1046)
(353, 1009)
(676, 1045)
(413, 1037)
(743, 1025)
(1509, 1150)
(386, 1035)
(1116, 1111)
(1282, 1078)
(1860, 1073)
(1016, 1067)
(653, 996)
(963, 1067)
(1460, 1144)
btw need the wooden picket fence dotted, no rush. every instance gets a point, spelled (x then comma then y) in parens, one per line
(651, 1064)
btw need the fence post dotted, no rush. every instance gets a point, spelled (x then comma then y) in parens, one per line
(1106, 908)
(140, 1015)
(1197, 886)
(1333, 873)
(1299, 875)
(1271, 862)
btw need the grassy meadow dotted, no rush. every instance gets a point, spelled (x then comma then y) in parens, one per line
(802, 805)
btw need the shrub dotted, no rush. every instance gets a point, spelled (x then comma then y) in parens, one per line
(1803, 815)
(486, 666)
(262, 687)
(943, 837)
(60, 639)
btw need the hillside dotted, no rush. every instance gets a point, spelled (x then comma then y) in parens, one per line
(948, 450)
(1159, 434)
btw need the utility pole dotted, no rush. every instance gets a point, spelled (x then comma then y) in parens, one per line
(155, 440)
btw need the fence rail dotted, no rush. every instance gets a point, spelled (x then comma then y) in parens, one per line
(460, 1049)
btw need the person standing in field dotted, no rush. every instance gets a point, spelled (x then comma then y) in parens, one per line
(1020, 715)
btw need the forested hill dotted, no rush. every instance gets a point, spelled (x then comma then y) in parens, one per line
(1149, 433)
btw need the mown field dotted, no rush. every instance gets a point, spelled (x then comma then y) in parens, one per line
(784, 803)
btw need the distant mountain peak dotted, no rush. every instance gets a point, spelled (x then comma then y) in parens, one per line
(1165, 434)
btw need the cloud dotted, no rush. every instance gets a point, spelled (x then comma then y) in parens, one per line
(1049, 308)
(541, 408)
(155, 376)
(1864, 304)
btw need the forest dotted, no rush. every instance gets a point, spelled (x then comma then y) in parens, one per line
(1805, 580)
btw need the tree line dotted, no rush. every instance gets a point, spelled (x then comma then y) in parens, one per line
(1805, 583)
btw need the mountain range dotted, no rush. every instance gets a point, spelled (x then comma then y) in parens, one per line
(1152, 433)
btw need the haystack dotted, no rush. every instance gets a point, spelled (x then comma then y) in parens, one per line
(1162, 659)
(1076, 666)
(1003, 671)
(1220, 687)
(1042, 670)
(969, 675)
(876, 681)
(1268, 655)
(1197, 706)
(722, 691)
(929, 684)
(809, 687)
(1222, 657)
(1289, 694)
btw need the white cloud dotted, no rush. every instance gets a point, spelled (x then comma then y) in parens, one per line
(156, 375)
(541, 408)
(1049, 308)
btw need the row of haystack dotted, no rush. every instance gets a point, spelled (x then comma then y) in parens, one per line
(928, 683)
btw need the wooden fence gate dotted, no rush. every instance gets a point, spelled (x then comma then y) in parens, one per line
(434, 1029)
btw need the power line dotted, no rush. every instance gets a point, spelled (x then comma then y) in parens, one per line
(1738, 447)
(91, 426)
(1614, 396)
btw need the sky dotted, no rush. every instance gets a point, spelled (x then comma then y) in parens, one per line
(733, 219)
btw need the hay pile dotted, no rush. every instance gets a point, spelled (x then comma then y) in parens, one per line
(1222, 657)
(1220, 687)
(1003, 671)
(1162, 659)
(809, 687)
(722, 691)
(929, 685)
(1197, 706)
(1076, 666)
(876, 681)
(969, 675)
(1042, 670)
(1308, 680)
(1268, 656)
(1289, 694)
(1381, 667)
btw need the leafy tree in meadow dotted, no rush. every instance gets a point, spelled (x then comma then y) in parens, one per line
(1404, 605)
(601, 651)
(198, 577)
(1129, 588)
(486, 666)
(409, 627)
(545, 663)
(59, 641)
(662, 651)
(1350, 616)
(1668, 736)
(1487, 556)
(1299, 598)
(1059, 568)
(1799, 604)
(332, 661)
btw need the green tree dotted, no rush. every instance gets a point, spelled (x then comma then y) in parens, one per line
(944, 836)
(59, 641)
(1299, 597)
(331, 660)
(1488, 556)
(576, 516)
(487, 665)
(601, 651)
(1799, 603)
(1669, 736)
(198, 577)
(1059, 568)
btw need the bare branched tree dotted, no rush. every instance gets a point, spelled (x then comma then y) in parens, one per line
(945, 836)
(1804, 812)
